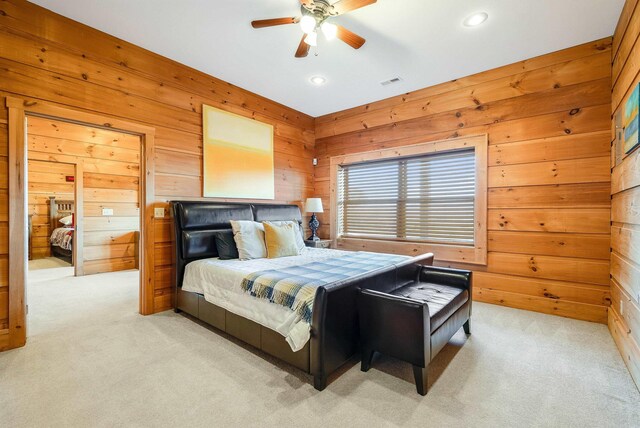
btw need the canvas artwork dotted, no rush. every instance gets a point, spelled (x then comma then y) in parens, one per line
(238, 156)
(630, 121)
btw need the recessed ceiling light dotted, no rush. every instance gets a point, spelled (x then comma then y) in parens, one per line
(318, 80)
(476, 19)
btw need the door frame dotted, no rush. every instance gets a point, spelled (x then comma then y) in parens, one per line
(78, 210)
(18, 110)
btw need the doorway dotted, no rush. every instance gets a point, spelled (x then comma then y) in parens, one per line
(114, 252)
(51, 214)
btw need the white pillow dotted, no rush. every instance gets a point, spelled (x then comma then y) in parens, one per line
(66, 220)
(249, 237)
(298, 230)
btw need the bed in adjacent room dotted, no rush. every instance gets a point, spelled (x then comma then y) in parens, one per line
(299, 307)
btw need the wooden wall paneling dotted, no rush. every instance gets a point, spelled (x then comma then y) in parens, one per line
(31, 22)
(544, 288)
(588, 246)
(581, 311)
(622, 46)
(549, 192)
(502, 95)
(625, 202)
(554, 196)
(628, 347)
(626, 175)
(591, 170)
(562, 220)
(550, 267)
(590, 145)
(627, 309)
(513, 70)
(627, 14)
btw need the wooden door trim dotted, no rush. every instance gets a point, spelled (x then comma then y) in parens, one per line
(78, 238)
(17, 226)
(18, 110)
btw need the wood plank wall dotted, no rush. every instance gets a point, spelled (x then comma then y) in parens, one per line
(548, 123)
(46, 179)
(111, 179)
(44, 56)
(624, 314)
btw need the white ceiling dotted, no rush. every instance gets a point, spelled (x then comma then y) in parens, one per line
(421, 41)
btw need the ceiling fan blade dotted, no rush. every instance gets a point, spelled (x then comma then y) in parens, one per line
(344, 6)
(303, 48)
(272, 22)
(352, 39)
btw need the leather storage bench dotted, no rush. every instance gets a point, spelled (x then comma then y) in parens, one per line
(415, 321)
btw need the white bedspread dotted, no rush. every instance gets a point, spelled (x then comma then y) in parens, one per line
(62, 237)
(220, 283)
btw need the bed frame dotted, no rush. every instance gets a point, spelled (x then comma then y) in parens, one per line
(57, 210)
(334, 327)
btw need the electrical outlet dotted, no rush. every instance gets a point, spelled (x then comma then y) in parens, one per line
(158, 212)
(107, 211)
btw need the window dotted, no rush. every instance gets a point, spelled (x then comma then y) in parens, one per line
(424, 198)
(429, 197)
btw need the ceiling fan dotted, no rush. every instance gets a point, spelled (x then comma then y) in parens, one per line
(315, 16)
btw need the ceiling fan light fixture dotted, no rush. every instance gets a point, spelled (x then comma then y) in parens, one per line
(476, 19)
(312, 39)
(308, 24)
(329, 30)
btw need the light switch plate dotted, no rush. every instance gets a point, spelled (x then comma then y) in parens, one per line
(158, 212)
(107, 211)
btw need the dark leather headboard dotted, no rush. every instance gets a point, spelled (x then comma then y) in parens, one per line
(197, 223)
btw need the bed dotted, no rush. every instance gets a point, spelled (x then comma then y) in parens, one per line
(207, 289)
(61, 238)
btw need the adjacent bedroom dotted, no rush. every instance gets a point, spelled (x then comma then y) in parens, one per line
(320, 212)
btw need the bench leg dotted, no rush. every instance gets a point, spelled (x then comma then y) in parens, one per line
(467, 326)
(367, 356)
(319, 382)
(420, 375)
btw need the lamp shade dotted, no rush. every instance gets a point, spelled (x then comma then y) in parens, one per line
(313, 205)
(308, 23)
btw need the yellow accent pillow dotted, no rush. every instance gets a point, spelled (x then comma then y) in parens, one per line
(280, 240)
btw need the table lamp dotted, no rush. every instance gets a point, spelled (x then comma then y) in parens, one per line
(313, 206)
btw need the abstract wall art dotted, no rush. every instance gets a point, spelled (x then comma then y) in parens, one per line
(238, 156)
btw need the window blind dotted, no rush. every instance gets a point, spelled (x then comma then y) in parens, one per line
(426, 198)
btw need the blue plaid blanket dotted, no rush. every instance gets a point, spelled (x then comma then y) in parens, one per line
(295, 287)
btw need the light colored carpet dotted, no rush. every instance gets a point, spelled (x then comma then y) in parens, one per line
(47, 263)
(91, 360)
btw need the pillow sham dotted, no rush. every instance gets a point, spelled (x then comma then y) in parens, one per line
(298, 231)
(226, 245)
(67, 221)
(249, 238)
(280, 240)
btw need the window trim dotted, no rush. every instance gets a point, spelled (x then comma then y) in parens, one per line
(476, 254)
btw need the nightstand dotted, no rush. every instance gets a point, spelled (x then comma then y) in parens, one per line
(323, 243)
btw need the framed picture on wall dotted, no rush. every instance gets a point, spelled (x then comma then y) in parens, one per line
(238, 156)
(630, 120)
